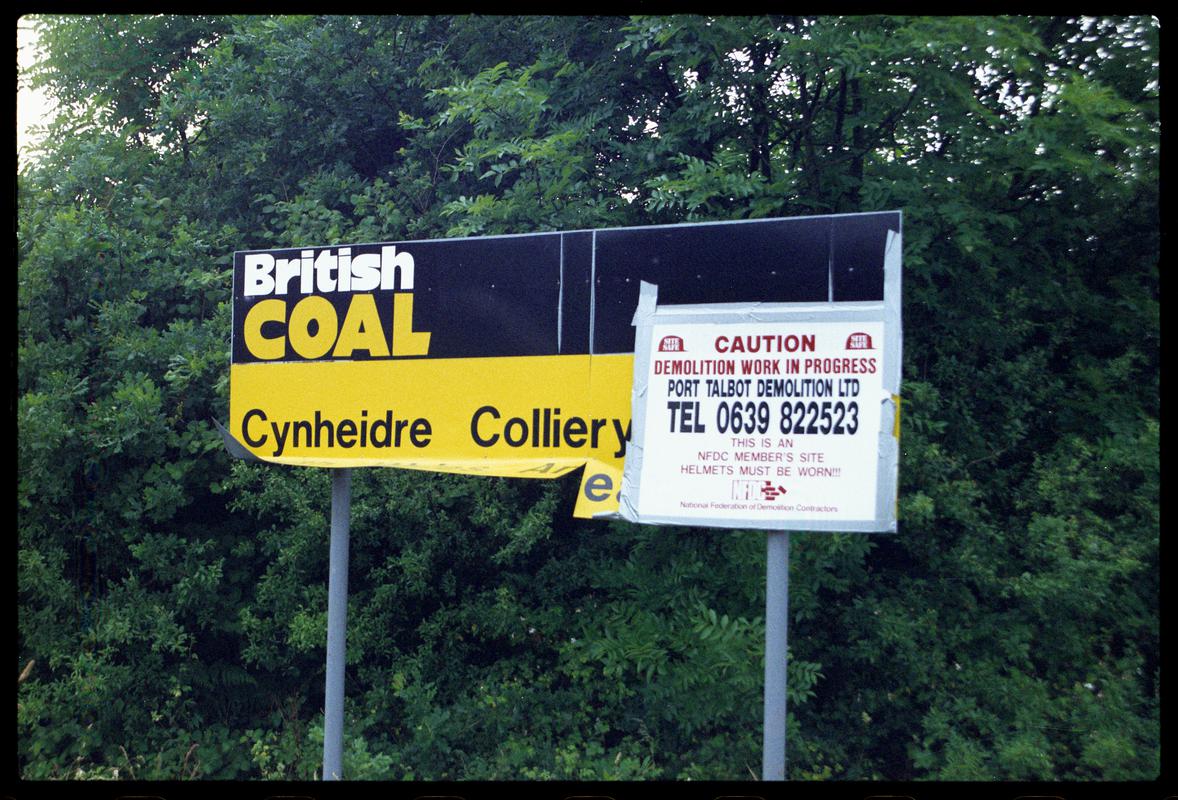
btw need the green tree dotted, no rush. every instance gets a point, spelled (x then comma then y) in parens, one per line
(172, 602)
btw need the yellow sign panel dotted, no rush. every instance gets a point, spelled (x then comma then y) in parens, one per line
(497, 355)
(530, 416)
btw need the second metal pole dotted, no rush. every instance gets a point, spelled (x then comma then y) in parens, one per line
(337, 624)
(776, 640)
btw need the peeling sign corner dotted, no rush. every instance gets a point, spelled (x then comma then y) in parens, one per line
(234, 447)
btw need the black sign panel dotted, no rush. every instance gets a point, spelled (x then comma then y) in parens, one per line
(543, 294)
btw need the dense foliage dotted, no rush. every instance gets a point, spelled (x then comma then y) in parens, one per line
(172, 602)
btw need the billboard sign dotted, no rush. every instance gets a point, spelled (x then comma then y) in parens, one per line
(499, 355)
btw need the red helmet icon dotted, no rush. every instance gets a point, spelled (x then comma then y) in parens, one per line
(859, 341)
(671, 344)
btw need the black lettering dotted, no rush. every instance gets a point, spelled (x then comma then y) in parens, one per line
(598, 487)
(245, 427)
(623, 437)
(575, 427)
(474, 426)
(597, 425)
(386, 425)
(521, 425)
(345, 432)
(304, 426)
(321, 425)
(280, 435)
(419, 432)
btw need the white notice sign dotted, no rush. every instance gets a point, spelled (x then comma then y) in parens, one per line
(771, 419)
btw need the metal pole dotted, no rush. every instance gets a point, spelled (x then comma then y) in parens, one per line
(776, 635)
(337, 624)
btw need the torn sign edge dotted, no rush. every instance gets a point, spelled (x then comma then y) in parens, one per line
(491, 468)
(236, 448)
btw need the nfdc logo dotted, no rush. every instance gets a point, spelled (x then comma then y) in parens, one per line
(859, 341)
(671, 344)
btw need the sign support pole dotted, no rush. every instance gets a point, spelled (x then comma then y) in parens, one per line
(337, 624)
(776, 635)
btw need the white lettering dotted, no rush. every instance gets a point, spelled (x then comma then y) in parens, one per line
(258, 279)
(390, 262)
(365, 272)
(328, 270)
(287, 268)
